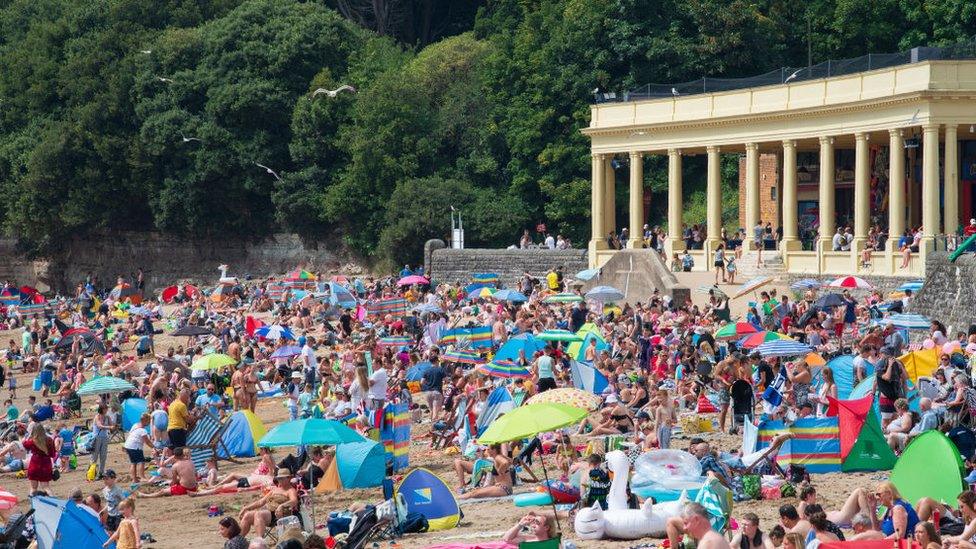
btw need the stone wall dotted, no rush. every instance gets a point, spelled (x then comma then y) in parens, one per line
(949, 293)
(449, 265)
(768, 180)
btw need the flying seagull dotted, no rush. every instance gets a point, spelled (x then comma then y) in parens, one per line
(792, 76)
(188, 139)
(674, 92)
(147, 52)
(914, 119)
(335, 92)
(269, 170)
(166, 80)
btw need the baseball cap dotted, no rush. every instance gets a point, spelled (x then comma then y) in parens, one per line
(110, 473)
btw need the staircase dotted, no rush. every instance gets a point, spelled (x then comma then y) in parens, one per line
(772, 265)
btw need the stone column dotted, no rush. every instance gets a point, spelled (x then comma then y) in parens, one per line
(951, 181)
(930, 188)
(752, 189)
(862, 192)
(828, 221)
(675, 207)
(636, 200)
(896, 191)
(790, 216)
(714, 200)
(597, 236)
(610, 198)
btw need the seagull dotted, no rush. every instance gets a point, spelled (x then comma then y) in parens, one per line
(166, 80)
(335, 92)
(792, 76)
(269, 170)
(188, 139)
(914, 119)
(674, 92)
(147, 52)
(596, 91)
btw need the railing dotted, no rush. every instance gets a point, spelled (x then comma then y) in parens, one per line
(826, 69)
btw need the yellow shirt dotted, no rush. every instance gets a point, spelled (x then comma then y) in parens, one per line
(553, 281)
(178, 415)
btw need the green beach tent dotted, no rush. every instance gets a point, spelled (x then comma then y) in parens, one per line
(930, 466)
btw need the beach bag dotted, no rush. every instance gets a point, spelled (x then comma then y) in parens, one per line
(787, 490)
(414, 523)
(92, 472)
(798, 474)
(752, 486)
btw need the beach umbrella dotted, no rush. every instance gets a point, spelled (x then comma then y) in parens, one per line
(735, 329)
(299, 274)
(753, 285)
(806, 284)
(104, 385)
(851, 282)
(605, 294)
(416, 373)
(170, 292)
(504, 369)
(828, 301)
(563, 298)
(395, 341)
(587, 274)
(510, 295)
(275, 331)
(711, 288)
(754, 340)
(483, 293)
(570, 396)
(7, 500)
(814, 359)
(914, 285)
(309, 432)
(464, 357)
(559, 335)
(412, 279)
(286, 351)
(213, 361)
(63, 524)
(909, 321)
(190, 330)
(90, 344)
(784, 348)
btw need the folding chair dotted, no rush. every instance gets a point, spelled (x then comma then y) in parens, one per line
(203, 440)
(441, 438)
(551, 543)
(13, 531)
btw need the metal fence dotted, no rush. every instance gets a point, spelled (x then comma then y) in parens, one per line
(871, 61)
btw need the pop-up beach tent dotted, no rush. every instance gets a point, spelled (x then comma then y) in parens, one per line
(862, 444)
(929, 467)
(240, 437)
(425, 493)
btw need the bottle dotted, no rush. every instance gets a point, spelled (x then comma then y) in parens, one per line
(936, 515)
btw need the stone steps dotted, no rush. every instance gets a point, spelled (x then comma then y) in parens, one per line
(772, 265)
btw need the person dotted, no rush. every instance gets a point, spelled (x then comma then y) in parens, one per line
(137, 437)
(432, 385)
(179, 419)
(719, 262)
(113, 496)
(793, 540)
(280, 501)
(210, 400)
(967, 539)
(531, 527)
(696, 524)
(184, 479)
(792, 522)
(757, 242)
(101, 427)
(233, 482)
(595, 482)
(40, 468)
(664, 419)
(821, 530)
(891, 380)
(927, 536)
(750, 536)
(230, 530)
(896, 432)
(64, 447)
(127, 535)
(377, 388)
(864, 530)
(543, 371)
(500, 483)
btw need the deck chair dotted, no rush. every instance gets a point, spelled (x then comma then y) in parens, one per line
(551, 543)
(442, 438)
(13, 531)
(203, 440)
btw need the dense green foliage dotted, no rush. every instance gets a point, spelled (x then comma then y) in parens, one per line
(471, 104)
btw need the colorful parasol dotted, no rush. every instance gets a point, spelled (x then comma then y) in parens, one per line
(559, 335)
(738, 329)
(464, 357)
(850, 282)
(758, 338)
(567, 395)
(504, 369)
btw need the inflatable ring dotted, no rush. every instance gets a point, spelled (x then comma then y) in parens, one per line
(562, 492)
(532, 498)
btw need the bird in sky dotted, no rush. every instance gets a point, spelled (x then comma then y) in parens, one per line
(269, 170)
(166, 80)
(792, 76)
(335, 92)
(188, 139)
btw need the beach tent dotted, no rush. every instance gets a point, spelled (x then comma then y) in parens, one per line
(341, 297)
(522, 342)
(361, 464)
(920, 363)
(577, 349)
(587, 378)
(63, 524)
(867, 384)
(244, 430)
(843, 370)
(132, 410)
(929, 467)
(862, 444)
(499, 402)
(425, 493)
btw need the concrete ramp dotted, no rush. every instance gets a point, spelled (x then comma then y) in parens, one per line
(637, 273)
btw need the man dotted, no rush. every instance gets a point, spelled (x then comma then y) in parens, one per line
(577, 316)
(179, 420)
(864, 529)
(552, 280)
(432, 385)
(929, 419)
(309, 363)
(694, 522)
(377, 388)
(543, 371)
(792, 522)
(210, 400)
(550, 242)
(266, 510)
(837, 243)
(184, 476)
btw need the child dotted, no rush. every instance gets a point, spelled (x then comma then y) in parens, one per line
(305, 401)
(664, 418)
(65, 445)
(12, 385)
(113, 496)
(127, 535)
(565, 455)
(209, 472)
(597, 482)
(730, 268)
(12, 412)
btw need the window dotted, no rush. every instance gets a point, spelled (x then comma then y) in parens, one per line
(772, 193)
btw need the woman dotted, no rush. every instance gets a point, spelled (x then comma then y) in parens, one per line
(231, 531)
(40, 467)
(897, 431)
(927, 537)
(719, 262)
(827, 389)
(280, 501)
(964, 400)
(800, 377)
(900, 518)
(358, 388)
(233, 483)
(531, 527)
(101, 425)
(793, 540)
(750, 536)
(500, 483)
(967, 539)
(820, 528)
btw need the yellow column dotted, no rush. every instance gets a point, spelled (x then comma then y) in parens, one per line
(636, 200)
(674, 242)
(752, 188)
(862, 193)
(896, 191)
(610, 211)
(790, 221)
(951, 181)
(827, 216)
(930, 187)
(714, 200)
(597, 237)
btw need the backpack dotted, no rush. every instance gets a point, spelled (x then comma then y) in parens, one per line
(413, 523)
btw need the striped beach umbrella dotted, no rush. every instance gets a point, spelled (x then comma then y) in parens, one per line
(275, 331)
(850, 282)
(806, 284)
(464, 357)
(565, 297)
(909, 321)
(559, 335)
(484, 293)
(736, 329)
(784, 348)
(395, 341)
(485, 278)
(104, 385)
(752, 285)
(504, 369)
(758, 338)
